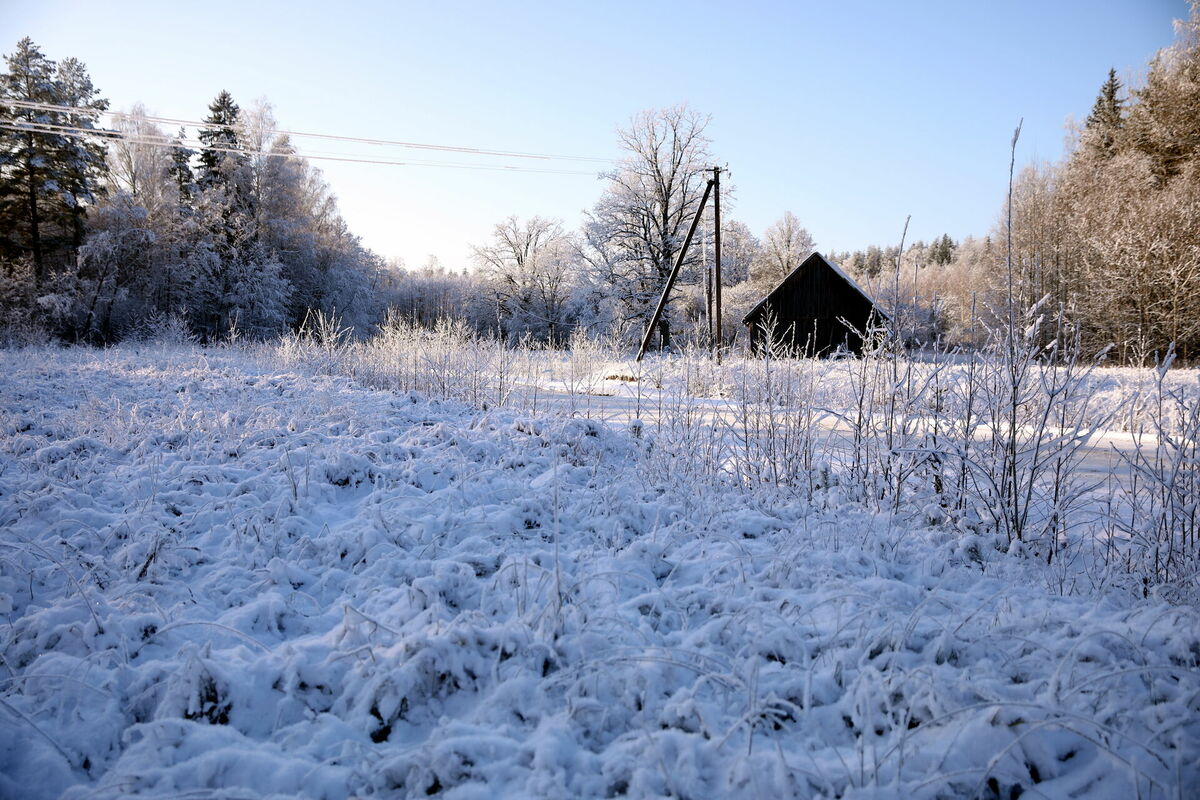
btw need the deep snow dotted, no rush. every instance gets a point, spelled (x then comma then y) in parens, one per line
(221, 580)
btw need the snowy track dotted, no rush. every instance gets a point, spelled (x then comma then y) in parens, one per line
(216, 581)
(616, 403)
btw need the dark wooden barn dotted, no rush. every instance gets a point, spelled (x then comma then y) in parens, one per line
(816, 310)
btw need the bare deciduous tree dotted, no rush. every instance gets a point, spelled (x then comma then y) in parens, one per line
(785, 244)
(530, 268)
(138, 163)
(638, 227)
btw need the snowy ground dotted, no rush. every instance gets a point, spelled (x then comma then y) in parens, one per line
(222, 580)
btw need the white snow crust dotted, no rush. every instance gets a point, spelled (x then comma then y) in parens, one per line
(222, 580)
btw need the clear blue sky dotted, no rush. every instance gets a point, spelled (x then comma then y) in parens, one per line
(852, 115)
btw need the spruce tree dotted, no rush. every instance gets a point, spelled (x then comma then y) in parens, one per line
(941, 252)
(1107, 117)
(224, 178)
(181, 171)
(217, 139)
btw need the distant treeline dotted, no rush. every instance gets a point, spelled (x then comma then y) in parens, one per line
(101, 234)
(1109, 238)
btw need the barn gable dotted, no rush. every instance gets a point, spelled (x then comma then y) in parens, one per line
(816, 309)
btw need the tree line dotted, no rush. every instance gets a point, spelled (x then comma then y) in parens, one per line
(102, 232)
(1107, 239)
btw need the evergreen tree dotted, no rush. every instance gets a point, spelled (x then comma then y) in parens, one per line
(23, 166)
(82, 159)
(226, 207)
(180, 171)
(941, 252)
(218, 138)
(1107, 118)
(47, 178)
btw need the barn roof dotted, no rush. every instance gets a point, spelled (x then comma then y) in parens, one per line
(814, 259)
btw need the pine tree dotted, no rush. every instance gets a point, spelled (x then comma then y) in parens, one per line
(1107, 117)
(82, 160)
(47, 178)
(24, 169)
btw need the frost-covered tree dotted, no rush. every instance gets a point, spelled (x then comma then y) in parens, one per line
(785, 245)
(252, 239)
(636, 230)
(431, 294)
(26, 195)
(226, 209)
(115, 270)
(220, 151)
(941, 252)
(82, 157)
(181, 171)
(1164, 120)
(740, 249)
(48, 176)
(873, 261)
(140, 162)
(530, 269)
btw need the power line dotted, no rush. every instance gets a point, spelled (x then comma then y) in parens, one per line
(151, 140)
(35, 106)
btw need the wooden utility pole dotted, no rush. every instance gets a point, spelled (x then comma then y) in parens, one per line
(662, 301)
(716, 185)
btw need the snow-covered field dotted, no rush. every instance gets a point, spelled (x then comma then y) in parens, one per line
(223, 578)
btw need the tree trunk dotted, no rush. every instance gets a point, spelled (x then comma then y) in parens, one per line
(35, 236)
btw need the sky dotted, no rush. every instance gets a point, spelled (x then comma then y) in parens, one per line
(852, 115)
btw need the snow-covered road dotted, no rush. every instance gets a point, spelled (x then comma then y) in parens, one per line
(621, 404)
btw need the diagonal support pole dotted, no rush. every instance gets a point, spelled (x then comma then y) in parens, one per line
(662, 301)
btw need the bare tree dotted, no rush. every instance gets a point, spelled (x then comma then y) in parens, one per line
(530, 267)
(739, 250)
(785, 244)
(138, 161)
(638, 226)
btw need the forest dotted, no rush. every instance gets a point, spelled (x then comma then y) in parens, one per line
(109, 232)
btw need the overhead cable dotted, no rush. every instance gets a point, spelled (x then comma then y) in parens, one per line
(76, 111)
(172, 143)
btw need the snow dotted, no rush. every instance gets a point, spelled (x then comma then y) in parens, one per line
(219, 578)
